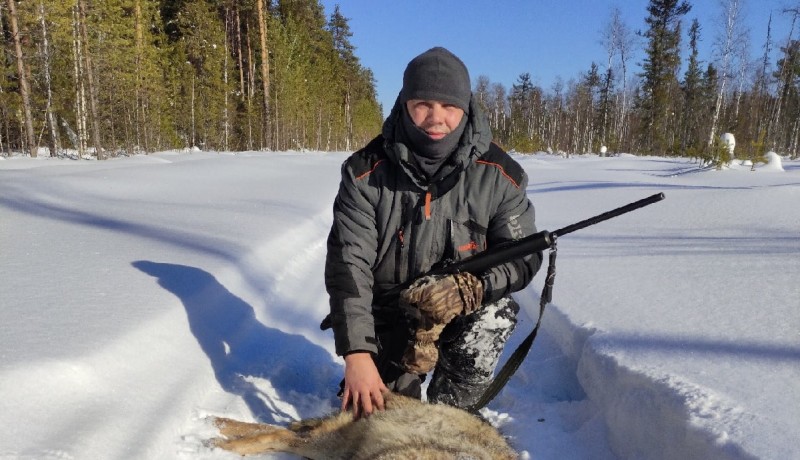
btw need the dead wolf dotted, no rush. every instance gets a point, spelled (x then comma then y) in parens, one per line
(406, 429)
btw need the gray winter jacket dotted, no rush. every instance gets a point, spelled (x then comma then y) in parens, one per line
(391, 224)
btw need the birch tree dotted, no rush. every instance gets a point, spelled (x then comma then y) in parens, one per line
(784, 77)
(727, 44)
(52, 126)
(619, 42)
(90, 80)
(616, 40)
(80, 89)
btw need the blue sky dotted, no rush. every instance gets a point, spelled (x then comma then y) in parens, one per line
(505, 38)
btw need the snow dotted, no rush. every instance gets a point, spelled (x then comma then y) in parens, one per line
(141, 295)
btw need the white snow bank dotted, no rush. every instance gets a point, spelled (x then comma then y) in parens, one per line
(142, 294)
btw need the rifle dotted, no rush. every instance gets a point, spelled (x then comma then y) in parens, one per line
(513, 250)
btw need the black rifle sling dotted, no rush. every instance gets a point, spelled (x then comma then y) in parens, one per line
(516, 358)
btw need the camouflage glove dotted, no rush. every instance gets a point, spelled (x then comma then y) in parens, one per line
(443, 297)
(438, 299)
(421, 355)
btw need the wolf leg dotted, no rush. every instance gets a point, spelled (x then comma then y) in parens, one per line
(252, 438)
(235, 429)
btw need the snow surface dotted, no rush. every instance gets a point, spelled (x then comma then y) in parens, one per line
(141, 295)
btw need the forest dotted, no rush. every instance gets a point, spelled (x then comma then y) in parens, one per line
(119, 77)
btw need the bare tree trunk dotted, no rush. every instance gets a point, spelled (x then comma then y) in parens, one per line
(3, 120)
(621, 42)
(239, 52)
(90, 80)
(24, 88)
(728, 45)
(194, 129)
(279, 123)
(142, 134)
(262, 30)
(80, 90)
(761, 88)
(250, 91)
(348, 119)
(782, 82)
(328, 139)
(318, 140)
(744, 67)
(53, 142)
(225, 120)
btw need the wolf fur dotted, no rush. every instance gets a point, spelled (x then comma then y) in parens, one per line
(406, 429)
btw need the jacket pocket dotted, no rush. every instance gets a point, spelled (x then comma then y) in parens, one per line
(465, 239)
(392, 268)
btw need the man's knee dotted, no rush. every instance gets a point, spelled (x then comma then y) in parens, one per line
(469, 353)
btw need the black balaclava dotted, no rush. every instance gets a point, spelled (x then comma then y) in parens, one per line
(436, 74)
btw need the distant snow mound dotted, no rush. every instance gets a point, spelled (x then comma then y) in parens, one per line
(774, 162)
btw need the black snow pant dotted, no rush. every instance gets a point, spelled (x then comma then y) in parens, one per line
(469, 350)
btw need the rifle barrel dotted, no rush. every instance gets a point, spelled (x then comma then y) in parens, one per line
(609, 214)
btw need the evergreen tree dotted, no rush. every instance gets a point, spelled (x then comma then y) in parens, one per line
(659, 74)
(591, 87)
(130, 76)
(201, 88)
(22, 79)
(693, 107)
(606, 109)
(787, 133)
(524, 101)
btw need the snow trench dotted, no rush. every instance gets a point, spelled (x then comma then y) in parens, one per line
(645, 416)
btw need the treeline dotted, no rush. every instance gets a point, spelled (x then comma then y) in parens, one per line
(668, 107)
(125, 76)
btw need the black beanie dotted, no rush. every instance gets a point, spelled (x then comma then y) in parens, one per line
(437, 74)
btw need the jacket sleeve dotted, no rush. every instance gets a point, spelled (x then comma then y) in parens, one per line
(514, 219)
(352, 247)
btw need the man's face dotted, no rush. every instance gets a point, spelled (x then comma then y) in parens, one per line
(437, 119)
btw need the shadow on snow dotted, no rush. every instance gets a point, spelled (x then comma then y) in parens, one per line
(241, 348)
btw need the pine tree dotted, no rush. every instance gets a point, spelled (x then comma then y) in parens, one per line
(693, 100)
(590, 88)
(23, 79)
(345, 51)
(660, 68)
(523, 102)
(202, 45)
(788, 69)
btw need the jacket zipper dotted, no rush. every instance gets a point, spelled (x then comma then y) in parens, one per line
(405, 214)
(398, 260)
(428, 205)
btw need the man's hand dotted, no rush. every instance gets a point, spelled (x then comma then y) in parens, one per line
(362, 385)
(443, 297)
